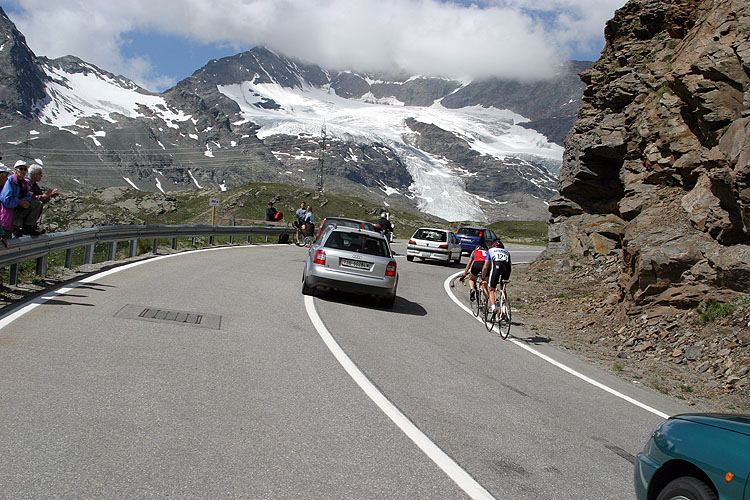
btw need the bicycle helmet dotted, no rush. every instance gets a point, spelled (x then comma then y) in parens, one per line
(498, 243)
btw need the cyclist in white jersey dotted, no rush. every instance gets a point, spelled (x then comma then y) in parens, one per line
(497, 265)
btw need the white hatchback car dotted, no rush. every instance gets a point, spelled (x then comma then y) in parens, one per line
(434, 244)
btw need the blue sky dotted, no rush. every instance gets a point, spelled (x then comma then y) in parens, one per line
(157, 43)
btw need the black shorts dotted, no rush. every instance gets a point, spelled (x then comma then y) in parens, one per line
(476, 267)
(499, 270)
(310, 229)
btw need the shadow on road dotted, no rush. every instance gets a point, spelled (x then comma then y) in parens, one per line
(402, 305)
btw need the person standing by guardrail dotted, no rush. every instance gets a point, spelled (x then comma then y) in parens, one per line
(35, 176)
(19, 213)
(309, 223)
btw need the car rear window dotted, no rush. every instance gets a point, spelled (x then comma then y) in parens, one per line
(431, 235)
(469, 231)
(357, 242)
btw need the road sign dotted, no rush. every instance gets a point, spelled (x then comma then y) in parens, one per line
(213, 202)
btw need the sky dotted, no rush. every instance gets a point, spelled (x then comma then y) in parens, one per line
(157, 43)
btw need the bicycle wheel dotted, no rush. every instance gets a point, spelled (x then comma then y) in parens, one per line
(505, 318)
(299, 238)
(490, 317)
(476, 306)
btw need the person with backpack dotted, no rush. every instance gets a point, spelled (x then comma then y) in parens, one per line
(270, 212)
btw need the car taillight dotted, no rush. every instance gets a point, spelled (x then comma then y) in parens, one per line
(390, 269)
(443, 246)
(320, 257)
(412, 242)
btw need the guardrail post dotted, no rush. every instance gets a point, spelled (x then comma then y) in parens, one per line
(231, 236)
(88, 257)
(192, 241)
(250, 238)
(13, 274)
(41, 266)
(174, 243)
(133, 249)
(211, 240)
(69, 258)
(156, 246)
(111, 250)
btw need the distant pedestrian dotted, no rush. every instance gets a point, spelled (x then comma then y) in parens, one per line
(309, 223)
(300, 213)
(270, 212)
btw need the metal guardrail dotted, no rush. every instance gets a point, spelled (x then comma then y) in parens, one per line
(39, 247)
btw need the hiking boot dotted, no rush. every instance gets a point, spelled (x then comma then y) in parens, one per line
(32, 230)
(17, 232)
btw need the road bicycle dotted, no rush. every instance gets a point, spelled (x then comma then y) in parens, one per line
(300, 239)
(479, 302)
(501, 315)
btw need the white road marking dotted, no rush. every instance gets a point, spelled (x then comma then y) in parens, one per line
(446, 463)
(19, 311)
(523, 345)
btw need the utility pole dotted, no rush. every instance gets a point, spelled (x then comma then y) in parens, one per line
(322, 157)
(26, 156)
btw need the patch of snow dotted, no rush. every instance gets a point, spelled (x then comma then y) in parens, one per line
(33, 132)
(131, 183)
(158, 185)
(190, 173)
(193, 136)
(103, 97)
(489, 131)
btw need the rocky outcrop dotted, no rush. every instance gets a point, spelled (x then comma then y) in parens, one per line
(21, 80)
(657, 166)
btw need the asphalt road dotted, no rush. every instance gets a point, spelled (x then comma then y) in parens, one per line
(277, 395)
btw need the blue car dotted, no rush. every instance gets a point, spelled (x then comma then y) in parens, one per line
(469, 237)
(697, 456)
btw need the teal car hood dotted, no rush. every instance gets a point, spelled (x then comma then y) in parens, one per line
(730, 422)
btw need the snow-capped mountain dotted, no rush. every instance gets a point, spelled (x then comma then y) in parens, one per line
(445, 147)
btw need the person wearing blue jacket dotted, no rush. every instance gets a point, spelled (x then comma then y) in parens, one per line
(19, 212)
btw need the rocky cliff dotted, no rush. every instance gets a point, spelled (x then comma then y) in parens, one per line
(657, 166)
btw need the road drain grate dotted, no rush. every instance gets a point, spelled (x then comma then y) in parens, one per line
(180, 317)
(147, 313)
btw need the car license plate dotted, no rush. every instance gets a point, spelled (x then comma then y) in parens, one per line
(425, 254)
(359, 264)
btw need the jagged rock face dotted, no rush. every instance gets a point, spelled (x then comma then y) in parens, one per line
(21, 80)
(661, 149)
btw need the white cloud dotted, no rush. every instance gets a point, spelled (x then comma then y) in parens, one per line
(508, 38)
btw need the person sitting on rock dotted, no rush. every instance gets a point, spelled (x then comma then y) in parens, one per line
(19, 212)
(35, 175)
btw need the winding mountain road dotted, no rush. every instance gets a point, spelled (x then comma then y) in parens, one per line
(271, 394)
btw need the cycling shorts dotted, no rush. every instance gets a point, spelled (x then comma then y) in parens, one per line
(499, 270)
(476, 267)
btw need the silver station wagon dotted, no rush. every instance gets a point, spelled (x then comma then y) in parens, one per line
(351, 260)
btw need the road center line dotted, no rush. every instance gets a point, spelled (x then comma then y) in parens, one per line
(446, 463)
(523, 345)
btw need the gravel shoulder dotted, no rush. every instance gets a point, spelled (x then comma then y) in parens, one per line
(576, 305)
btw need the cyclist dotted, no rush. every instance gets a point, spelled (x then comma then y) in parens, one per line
(498, 266)
(474, 267)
